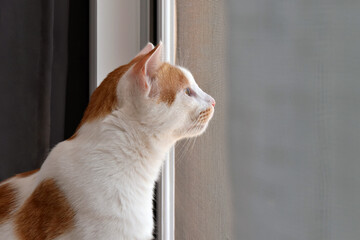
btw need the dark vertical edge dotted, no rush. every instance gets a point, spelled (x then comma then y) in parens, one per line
(93, 46)
(77, 87)
(152, 37)
(153, 19)
(149, 20)
(156, 31)
(45, 72)
(59, 71)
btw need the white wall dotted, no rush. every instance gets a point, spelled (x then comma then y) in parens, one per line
(117, 34)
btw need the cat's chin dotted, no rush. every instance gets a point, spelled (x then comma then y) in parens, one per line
(196, 130)
(190, 132)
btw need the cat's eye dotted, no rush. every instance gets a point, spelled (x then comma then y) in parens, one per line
(188, 91)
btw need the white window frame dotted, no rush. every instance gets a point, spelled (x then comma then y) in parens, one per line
(167, 32)
(105, 43)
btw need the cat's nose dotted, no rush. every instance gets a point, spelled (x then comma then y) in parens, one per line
(212, 101)
(209, 99)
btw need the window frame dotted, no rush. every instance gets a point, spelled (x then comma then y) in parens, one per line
(166, 200)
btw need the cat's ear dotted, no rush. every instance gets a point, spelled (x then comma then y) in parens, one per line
(148, 65)
(149, 46)
(154, 61)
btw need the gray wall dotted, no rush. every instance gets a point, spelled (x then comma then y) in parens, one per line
(294, 121)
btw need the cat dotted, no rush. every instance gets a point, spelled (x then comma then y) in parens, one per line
(98, 184)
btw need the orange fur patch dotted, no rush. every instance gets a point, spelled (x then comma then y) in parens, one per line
(7, 201)
(204, 115)
(104, 99)
(45, 215)
(170, 81)
(26, 174)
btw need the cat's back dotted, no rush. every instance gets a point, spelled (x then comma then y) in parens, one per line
(30, 209)
(13, 193)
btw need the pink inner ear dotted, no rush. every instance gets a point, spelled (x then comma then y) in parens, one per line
(150, 62)
(148, 65)
(149, 46)
(154, 61)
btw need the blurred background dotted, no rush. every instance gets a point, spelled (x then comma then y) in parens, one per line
(281, 157)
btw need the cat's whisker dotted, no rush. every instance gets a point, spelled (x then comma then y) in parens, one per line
(185, 150)
(182, 144)
(193, 145)
(182, 151)
(189, 143)
(185, 143)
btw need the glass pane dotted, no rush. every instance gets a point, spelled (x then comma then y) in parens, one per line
(280, 159)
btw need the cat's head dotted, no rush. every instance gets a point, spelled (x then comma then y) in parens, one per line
(156, 94)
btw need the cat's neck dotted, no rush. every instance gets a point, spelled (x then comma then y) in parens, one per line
(109, 165)
(131, 144)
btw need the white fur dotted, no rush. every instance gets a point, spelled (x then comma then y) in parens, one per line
(108, 171)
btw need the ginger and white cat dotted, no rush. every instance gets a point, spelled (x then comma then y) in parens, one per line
(99, 183)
